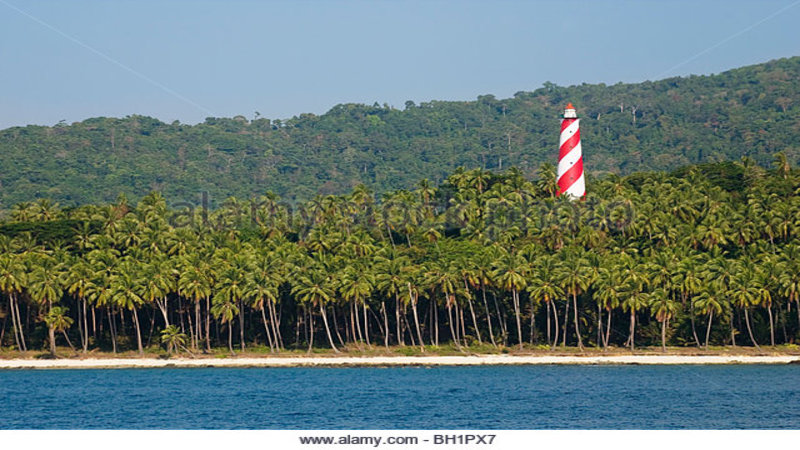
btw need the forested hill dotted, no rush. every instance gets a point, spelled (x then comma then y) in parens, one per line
(752, 111)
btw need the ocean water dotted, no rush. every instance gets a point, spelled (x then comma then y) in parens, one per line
(520, 397)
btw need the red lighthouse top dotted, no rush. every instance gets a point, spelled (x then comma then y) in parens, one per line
(569, 112)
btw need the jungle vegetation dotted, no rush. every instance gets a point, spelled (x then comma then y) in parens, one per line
(705, 255)
(655, 125)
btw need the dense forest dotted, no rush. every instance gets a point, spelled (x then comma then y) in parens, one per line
(662, 125)
(706, 255)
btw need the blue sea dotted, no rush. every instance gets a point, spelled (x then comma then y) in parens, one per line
(519, 397)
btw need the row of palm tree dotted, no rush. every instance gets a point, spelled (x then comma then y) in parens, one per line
(485, 258)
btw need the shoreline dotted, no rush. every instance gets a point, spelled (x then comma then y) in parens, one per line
(395, 361)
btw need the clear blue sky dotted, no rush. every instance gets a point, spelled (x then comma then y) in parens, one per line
(186, 60)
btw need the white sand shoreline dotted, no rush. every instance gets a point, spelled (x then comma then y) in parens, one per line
(348, 361)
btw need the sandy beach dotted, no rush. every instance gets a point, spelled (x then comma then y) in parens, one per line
(346, 361)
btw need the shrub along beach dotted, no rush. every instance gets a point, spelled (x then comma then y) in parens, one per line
(483, 263)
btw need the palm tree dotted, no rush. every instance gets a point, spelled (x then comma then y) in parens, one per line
(709, 302)
(195, 281)
(159, 278)
(635, 298)
(231, 289)
(610, 289)
(744, 294)
(13, 279)
(45, 288)
(126, 292)
(390, 279)
(440, 276)
(510, 272)
(543, 284)
(58, 320)
(79, 278)
(574, 277)
(314, 288)
(480, 277)
(262, 288)
(355, 286)
(664, 309)
(173, 337)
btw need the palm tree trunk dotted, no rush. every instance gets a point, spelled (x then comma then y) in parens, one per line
(474, 321)
(416, 322)
(385, 324)
(708, 328)
(599, 337)
(633, 327)
(749, 329)
(162, 305)
(555, 324)
(266, 329)
(400, 340)
(275, 321)
(66, 337)
(488, 315)
(607, 337)
(190, 321)
(691, 317)
(85, 328)
(355, 325)
(452, 330)
(138, 331)
(663, 336)
(547, 304)
(366, 326)
(501, 319)
(771, 326)
(51, 335)
(14, 325)
(327, 329)
(230, 337)
(94, 322)
(310, 329)
(460, 311)
(515, 298)
(19, 324)
(241, 324)
(336, 326)
(208, 323)
(566, 321)
(80, 324)
(198, 325)
(435, 322)
(577, 325)
(112, 329)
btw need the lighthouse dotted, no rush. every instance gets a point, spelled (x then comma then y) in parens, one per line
(570, 159)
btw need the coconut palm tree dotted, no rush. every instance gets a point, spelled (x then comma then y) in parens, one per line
(13, 280)
(510, 274)
(544, 285)
(79, 279)
(174, 339)
(744, 295)
(356, 284)
(574, 277)
(314, 288)
(58, 320)
(126, 292)
(709, 302)
(45, 288)
(664, 309)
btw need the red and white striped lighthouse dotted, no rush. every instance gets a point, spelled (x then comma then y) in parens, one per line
(570, 159)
